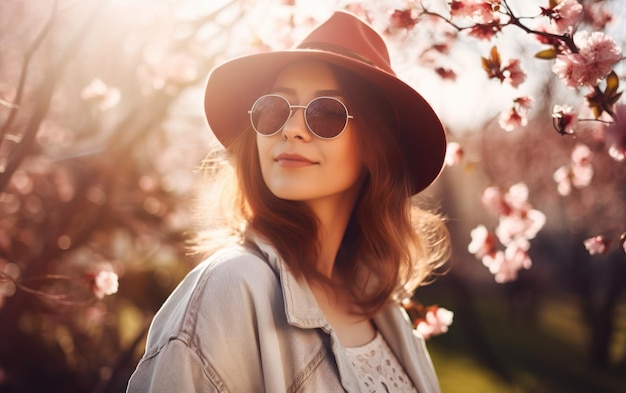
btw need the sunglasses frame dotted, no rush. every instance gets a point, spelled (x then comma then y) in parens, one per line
(304, 107)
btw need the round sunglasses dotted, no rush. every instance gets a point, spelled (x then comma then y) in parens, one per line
(325, 117)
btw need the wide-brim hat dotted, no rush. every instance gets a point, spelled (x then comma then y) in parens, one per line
(346, 41)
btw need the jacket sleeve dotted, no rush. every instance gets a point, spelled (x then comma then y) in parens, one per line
(174, 368)
(205, 337)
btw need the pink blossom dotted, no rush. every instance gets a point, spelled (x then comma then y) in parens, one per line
(97, 91)
(582, 171)
(565, 16)
(578, 173)
(562, 177)
(517, 218)
(506, 265)
(445, 73)
(454, 154)
(96, 88)
(599, 49)
(480, 11)
(444, 47)
(618, 152)
(581, 175)
(516, 116)
(615, 135)
(105, 282)
(520, 242)
(436, 322)
(515, 259)
(517, 196)
(535, 220)
(595, 59)
(485, 31)
(570, 67)
(597, 245)
(402, 20)
(513, 72)
(494, 259)
(461, 9)
(511, 119)
(483, 242)
(493, 199)
(581, 155)
(523, 103)
(521, 224)
(565, 119)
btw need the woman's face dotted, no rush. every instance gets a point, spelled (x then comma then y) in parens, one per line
(296, 164)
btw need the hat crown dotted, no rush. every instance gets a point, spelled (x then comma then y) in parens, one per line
(347, 35)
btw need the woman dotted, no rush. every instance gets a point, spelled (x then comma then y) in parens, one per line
(328, 148)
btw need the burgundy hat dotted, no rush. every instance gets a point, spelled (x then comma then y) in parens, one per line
(345, 41)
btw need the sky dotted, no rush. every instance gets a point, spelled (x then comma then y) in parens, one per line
(467, 103)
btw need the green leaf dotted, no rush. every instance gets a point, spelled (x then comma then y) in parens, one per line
(596, 111)
(486, 64)
(546, 54)
(612, 84)
(613, 99)
(495, 55)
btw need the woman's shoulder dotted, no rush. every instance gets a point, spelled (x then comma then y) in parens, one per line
(229, 287)
(228, 271)
(235, 268)
(215, 316)
(232, 258)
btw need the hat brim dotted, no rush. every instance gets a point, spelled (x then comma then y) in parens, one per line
(232, 88)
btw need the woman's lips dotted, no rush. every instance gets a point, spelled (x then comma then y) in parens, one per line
(293, 160)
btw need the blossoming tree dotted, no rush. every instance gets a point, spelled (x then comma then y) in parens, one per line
(101, 128)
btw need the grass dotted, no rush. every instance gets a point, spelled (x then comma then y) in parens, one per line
(542, 351)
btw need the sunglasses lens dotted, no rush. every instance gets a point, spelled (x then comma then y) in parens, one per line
(327, 117)
(269, 114)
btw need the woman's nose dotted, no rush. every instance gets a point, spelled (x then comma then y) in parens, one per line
(296, 127)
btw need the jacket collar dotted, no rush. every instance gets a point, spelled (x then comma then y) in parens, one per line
(408, 346)
(300, 305)
(303, 311)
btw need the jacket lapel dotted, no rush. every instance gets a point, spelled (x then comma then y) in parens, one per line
(409, 348)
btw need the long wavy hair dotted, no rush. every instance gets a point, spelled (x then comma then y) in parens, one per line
(390, 246)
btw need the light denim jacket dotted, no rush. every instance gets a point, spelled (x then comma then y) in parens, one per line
(242, 323)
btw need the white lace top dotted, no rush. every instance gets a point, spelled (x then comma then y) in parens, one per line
(378, 368)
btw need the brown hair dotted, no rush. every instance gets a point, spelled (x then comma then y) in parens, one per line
(390, 244)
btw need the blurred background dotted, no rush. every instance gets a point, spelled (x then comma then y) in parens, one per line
(102, 134)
